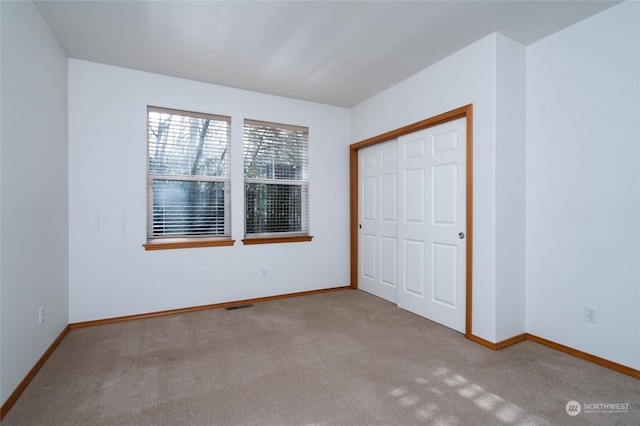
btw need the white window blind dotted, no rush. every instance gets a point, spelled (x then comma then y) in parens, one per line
(276, 163)
(188, 175)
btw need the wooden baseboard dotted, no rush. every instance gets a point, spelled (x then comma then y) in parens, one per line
(587, 357)
(481, 341)
(31, 374)
(499, 345)
(553, 345)
(201, 308)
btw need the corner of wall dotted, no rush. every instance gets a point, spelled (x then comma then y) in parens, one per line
(510, 187)
(583, 205)
(34, 84)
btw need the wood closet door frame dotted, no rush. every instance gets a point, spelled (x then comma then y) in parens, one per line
(462, 112)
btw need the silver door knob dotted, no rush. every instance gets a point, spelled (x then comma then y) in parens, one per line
(461, 235)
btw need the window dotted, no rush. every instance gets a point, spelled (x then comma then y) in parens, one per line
(276, 182)
(188, 179)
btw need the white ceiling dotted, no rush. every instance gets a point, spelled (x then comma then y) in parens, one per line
(333, 52)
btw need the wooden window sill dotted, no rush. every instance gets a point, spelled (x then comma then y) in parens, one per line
(275, 240)
(187, 244)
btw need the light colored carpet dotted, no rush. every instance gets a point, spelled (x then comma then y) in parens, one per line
(340, 358)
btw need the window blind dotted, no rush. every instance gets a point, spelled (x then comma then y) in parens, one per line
(276, 169)
(188, 174)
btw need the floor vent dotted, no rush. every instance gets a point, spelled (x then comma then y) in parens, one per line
(233, 308)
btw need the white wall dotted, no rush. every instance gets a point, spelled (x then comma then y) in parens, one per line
(112, 275)
(510, 148)
(583, 180)
(469, 77)
(34, 214)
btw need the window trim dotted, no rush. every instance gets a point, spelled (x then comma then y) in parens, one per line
(277, 239)
(177, 244)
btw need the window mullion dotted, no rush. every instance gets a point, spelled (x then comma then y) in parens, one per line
(275, 181)
(196, 178)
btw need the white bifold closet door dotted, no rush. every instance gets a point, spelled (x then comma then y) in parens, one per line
(378, 219)
(412, 219)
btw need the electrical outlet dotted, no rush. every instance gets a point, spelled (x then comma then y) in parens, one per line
(591, 314)
(263, 273)
(41, 315)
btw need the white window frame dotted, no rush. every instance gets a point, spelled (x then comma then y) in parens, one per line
(302, 182)
(168, 241)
